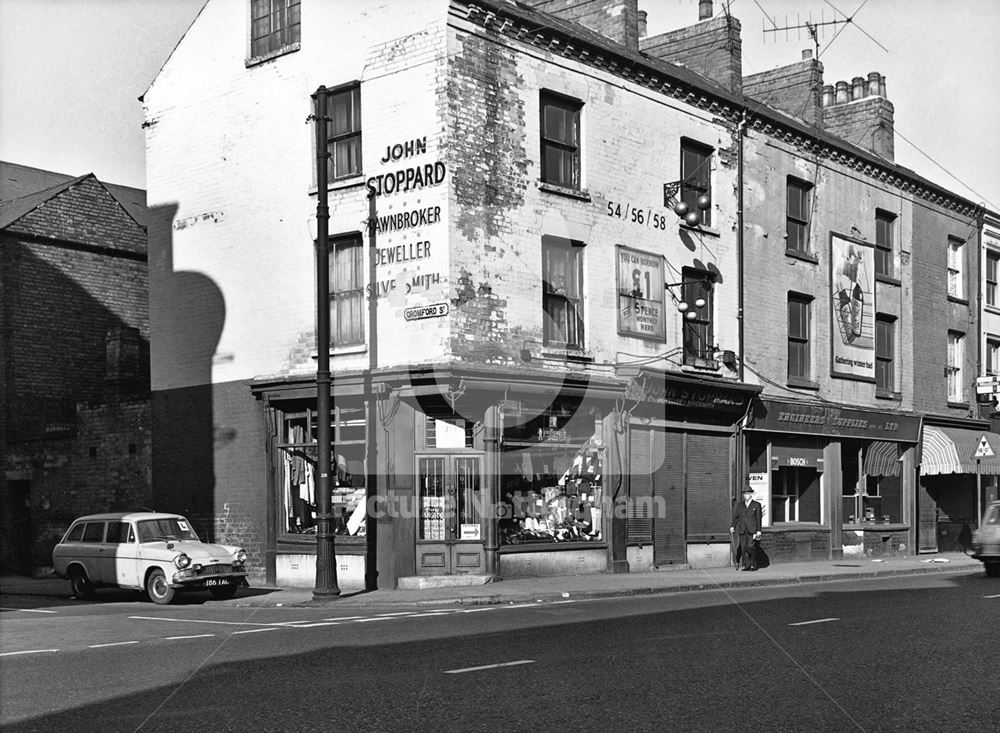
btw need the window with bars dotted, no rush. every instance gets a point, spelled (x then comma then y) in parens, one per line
(696, 177)
(274, 26)
(562, 292)
(347, 311)
(560, 136)
(798, 206)
(992, 267)
(956, 258)
(699, 343)
(885, 370)
(799, 307)
(884, 230)
(956, 355)
(344, 131)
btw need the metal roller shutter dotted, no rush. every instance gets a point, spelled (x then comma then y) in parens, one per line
(639, 514)
(669, 542)
(709, 506)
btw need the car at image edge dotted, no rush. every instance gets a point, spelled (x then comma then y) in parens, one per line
(155, 552)
(986, 542)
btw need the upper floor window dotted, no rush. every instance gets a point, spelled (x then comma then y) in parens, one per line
(884, 229)
(560, 140)
(992, 271)
(696, 177)
(956, 357)
(798, 336)
(885, 350)
(344, 131)
(347, 312)
(956, 257)
(798, 209)
(274, 26)
(992, 356)
(562, 292)
(699, 344)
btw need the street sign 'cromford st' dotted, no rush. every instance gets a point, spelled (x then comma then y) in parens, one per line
(151, 551)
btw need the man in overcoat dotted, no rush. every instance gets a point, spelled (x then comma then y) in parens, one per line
(747, 517)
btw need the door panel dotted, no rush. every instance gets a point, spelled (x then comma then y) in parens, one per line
(449, 527)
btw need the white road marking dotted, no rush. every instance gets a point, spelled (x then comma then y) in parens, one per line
(477, 610)
(342, 618)
(198, 621)
(373, 618)
(29, 651)
(397, 613)
(301, 625)
(556, 603)
(192, 636)
(430, 613)
(996, 596)
(815, 621)
(256, 631)
(29, 610)
(114, 643)
(489, 666)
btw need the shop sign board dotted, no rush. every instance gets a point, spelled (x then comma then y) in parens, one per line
(470, 532)
(852, 308)
(435, 310)
(790, 417)
(640, 294)
(988, 385)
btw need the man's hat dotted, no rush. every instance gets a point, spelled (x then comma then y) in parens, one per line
(747, 490)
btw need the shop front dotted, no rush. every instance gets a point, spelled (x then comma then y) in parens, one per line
(833, 481)
(959, 467)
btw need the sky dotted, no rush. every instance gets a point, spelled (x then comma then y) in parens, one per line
(71, 72)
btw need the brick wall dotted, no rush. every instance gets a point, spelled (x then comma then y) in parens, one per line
(795, 89)
(712, 48)
(614, 19)
(867, 123)
(787, 545)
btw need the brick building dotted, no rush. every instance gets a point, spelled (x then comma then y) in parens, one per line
(555, 338)
(74, 384)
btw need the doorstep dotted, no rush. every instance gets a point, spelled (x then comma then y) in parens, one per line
(421, 582)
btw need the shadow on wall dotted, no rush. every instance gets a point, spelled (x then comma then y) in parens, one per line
(187, 313)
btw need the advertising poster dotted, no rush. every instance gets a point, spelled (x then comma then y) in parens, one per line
(761, 493)
(852, 276)
(640, 294)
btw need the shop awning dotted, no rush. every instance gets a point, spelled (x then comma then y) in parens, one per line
(953, 450)
(882, 458)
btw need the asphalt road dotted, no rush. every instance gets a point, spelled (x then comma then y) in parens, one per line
(912, 653)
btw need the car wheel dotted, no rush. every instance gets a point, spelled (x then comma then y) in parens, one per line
(993, 569)
(80, 585)
(157, 588)
(223, 592)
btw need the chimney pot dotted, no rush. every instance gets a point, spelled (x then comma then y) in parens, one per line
(881, 86)
(704, 9)
(642, 23)
(842, 95)
(874, 85)
(827, 95)
(859, 87)
(807, 53)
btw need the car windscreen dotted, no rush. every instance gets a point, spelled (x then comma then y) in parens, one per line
(992, 515)
(167, 528)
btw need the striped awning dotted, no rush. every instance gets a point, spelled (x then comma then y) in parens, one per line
(953, 450)
(882, 458)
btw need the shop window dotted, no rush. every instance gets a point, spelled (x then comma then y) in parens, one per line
(992, 267)
(560, 136)
(562, 292)
(551, 483)
(298, 472)
(347, 311)
(885, 348)
(885, 224)
(696, 178)
(956, 269)
(274, 26)
(799, 307)
(795, 496)
(699, 340)
(344, 132)
(798, 206)
(956, 357)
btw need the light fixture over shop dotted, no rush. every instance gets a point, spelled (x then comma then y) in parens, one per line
(691, 217)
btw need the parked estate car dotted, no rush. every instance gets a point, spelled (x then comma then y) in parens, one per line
(151, 551)
(986, 543)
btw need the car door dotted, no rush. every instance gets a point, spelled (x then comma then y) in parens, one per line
(92, 549)
(120, 564)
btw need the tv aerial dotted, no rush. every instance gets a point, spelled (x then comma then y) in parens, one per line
(815, 29)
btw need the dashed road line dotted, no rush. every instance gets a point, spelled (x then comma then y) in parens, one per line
(996, 596)
(814, 621)
(191, 636)
(198, 621)
(29, 610)
(257, 631)
(113, 643)
(29, 651)
(489, 666)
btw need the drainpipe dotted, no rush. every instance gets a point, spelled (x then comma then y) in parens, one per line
(739, 434)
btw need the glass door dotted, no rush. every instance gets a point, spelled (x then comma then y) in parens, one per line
(449, 522)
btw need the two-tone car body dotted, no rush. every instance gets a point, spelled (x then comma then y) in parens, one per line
(986, 541)
(155, 552)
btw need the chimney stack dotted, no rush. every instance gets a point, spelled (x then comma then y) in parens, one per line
(618, 20)
(861, 114)
(795, 89)
(712, 48)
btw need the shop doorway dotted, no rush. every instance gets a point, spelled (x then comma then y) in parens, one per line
(19, 529)
(449, 519)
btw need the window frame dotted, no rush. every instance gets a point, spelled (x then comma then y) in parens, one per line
(955, 366)
(697, 283)
(885, 362)
(280, 38)
(992, 366)
(799, 221)
(698, 181)
(885, 235)
(354, 293)
(992, 278)
(956, 268)
(350, 137)
(571, 298)
(569, 148)
(802, 339)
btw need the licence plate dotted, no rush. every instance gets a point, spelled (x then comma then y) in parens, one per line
(218, 581)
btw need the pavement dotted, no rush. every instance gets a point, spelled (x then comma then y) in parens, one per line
(686, 578)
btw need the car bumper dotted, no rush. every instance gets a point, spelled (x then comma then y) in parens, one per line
(987, 552)
(191, 578)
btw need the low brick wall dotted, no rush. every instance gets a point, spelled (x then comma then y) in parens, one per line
(795, 544)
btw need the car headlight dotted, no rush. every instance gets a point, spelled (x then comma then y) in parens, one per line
(241, 556)
(182, 561)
